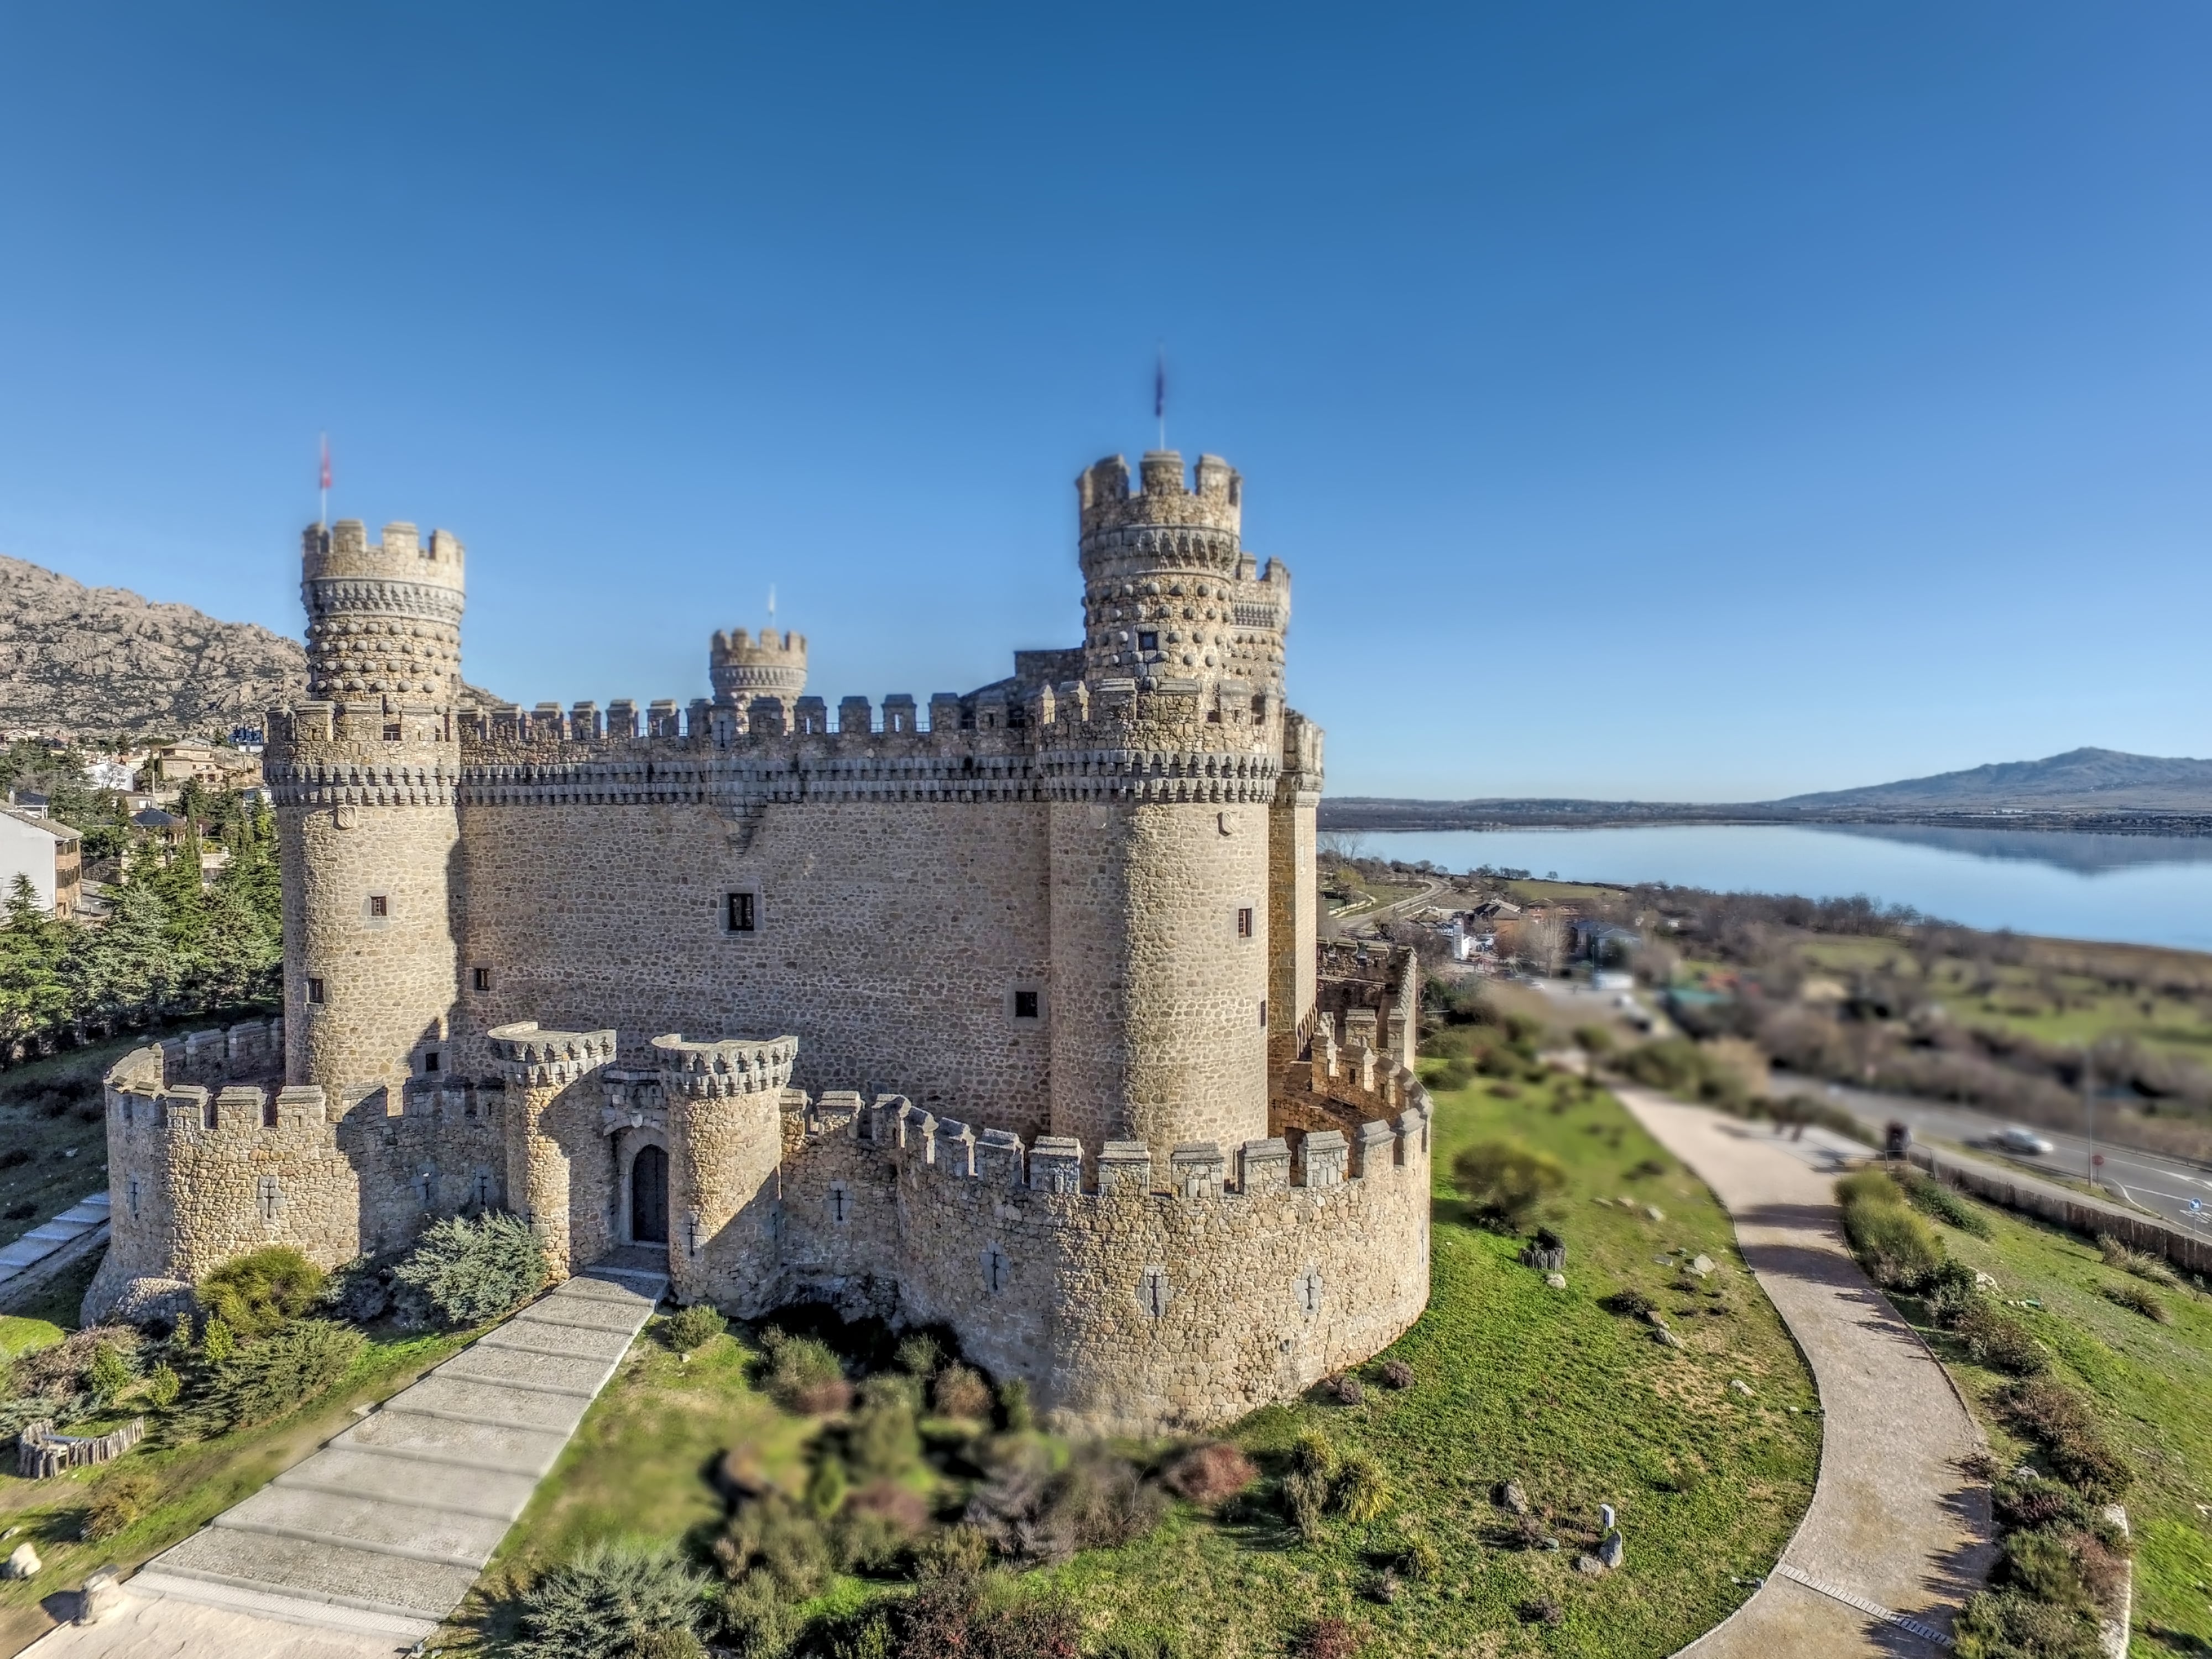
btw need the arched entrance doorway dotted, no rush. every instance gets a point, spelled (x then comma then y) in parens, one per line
(648, 1196)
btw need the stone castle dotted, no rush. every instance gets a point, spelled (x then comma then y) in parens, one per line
(1008, 1011)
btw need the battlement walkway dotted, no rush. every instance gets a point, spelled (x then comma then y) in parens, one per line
(364, 1547)
(1897, 1537)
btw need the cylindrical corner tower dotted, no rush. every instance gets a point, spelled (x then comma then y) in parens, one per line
(726, 1155)
(1160, 848)
(742, 668)
(557, 1170)
(364, 777)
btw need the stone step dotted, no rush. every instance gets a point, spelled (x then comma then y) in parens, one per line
(538, 1373)
(362, 1578)
(556, 1342)
(502, 1447)
(374, 1523)
(621, 1293)
(464, 1489)
(577, 1314)
(241, 1595)
(436, 1395)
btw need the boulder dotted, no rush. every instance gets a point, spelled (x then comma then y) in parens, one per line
(1588, 1565)
(1612, 1550)
(163, 1302)
(1741, 1386)
(23, 1564)
(1510, 1497)
(1702, 1266)
(1653, 1212)
(102, 1596)
(1557, 1281)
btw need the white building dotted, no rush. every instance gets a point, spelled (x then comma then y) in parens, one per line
(49, 853)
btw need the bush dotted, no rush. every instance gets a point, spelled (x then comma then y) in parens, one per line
(465, 1272)
(1993, 1338)
(620, 1601)
(278, 1374)
(1099, 1501)
(163, 1385)
(108, 1375)
(827, 1487)
(957, 1614)
(1932, 1198)
(1504, 1183)
(804, 1375)
(1898, 1249)
(1014, 1405)
(883, 1442)
(919, 1355)
(782, 1539)
(255, 1294)
(1629, 1302)
(1210, 1473)
(1361, 1493)
(2139, 1299)
(1594, 1040)
(2060, 1422)
(216, 1342)
(2151, 1268)
(359, 1292)
(961, 1394)
(695, 1326)
(1306, 1502)
(1344, 1388)
(118, 1501)
(878, 1524)
(1397, 1374)
(2008, 1623)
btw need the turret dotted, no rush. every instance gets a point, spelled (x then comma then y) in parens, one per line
(364, 777)
(1168, 592)
(743, 669)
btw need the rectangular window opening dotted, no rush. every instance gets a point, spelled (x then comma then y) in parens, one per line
(737, 913)
(269, 1114)
(480, 979)
(1025, 1005)
(391, 731)
(1244, 922)
(314, 990)
(1148, 641)
(430, 1061)
(379, 905)
(1263, 1014)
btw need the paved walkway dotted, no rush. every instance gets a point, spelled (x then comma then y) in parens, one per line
(364, 1547)
(23, 1258)
(1896, 1538)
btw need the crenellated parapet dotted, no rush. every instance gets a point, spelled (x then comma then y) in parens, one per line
(383, 617)
(743, 669)
(528, 1056)
(719, 1069)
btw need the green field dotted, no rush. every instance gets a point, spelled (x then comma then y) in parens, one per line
(2150, 1383)
(53, 1110)
(1513, 1381)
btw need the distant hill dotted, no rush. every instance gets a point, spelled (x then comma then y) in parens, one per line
(89, 661)
(2080, 780)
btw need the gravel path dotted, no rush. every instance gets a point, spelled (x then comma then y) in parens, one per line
(364, 1547)
(1896, 1538)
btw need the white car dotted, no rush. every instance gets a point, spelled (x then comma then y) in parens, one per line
(2014, 1139)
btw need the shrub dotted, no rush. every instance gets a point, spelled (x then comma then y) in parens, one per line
(756, 1619)
(883, 1442)
(162, 1386)
(1361, 1493)
(2009, 1624)
(2060, 1422)
(1900, 1250)
(1594, 1039)
(255, 1294)
(1993, 1338)
(804, 1376)
(2151, 1268)
(465, 1272)
(278, 1374)
(956, 1552)
(1327, 1638)
(618, 1601)
(1932, 1198)
(1097, 1501)
(1629, 1302)
(108, 1374)
(1014, 1405)
(118, 1500)
(1504, 1183)
(359, 1292)
(953, 1615)
(827, 1487)
(216, 1342)
(919, 1355)
(1344, 1388)
(695, 1326)
(877, 1525)
(2139, 1299)
(773, 1535)
(1306, 1502)
(1210, 1473)
(961, 1394)
(1397, 1374)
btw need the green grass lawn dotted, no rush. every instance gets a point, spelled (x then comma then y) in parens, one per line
(2151, 1383)
(196, 1480)
(1512, 1380)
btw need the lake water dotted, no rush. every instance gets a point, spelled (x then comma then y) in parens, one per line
(2141, 889)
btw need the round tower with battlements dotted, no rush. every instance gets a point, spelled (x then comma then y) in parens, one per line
(1160, 787)
(364, 777)
(743, 668)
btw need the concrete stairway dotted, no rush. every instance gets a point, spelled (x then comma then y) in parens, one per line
(27, 1256)
(382, 1532)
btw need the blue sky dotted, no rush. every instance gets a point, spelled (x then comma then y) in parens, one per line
(1701, 402)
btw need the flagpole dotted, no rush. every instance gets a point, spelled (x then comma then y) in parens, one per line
(323, 522)
(1160, 394)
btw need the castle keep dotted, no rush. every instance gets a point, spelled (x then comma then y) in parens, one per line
(1006, 1010)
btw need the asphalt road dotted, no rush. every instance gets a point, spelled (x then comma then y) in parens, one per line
(2165, 1185)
